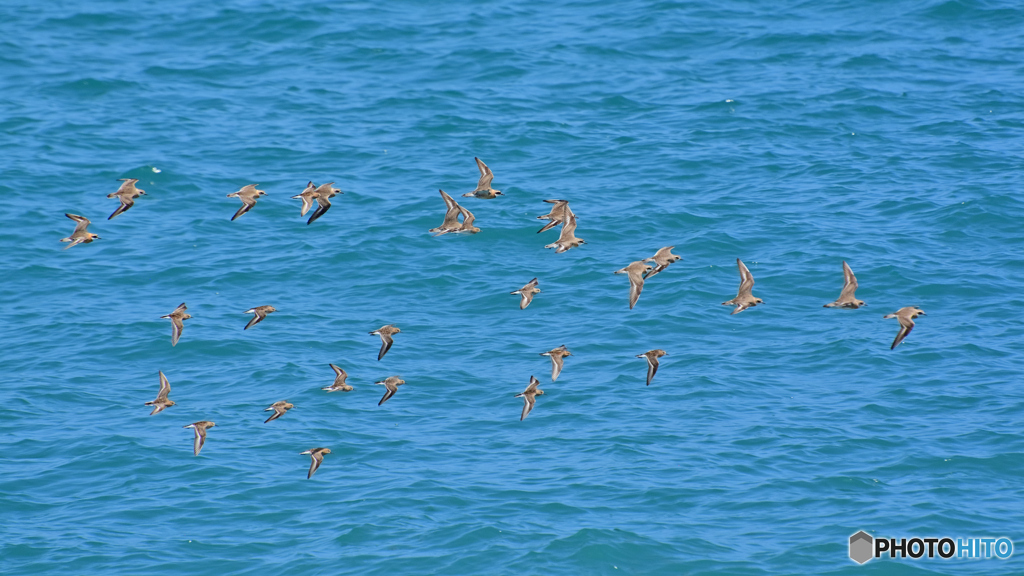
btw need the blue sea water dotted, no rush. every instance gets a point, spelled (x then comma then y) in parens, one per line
(793, 135)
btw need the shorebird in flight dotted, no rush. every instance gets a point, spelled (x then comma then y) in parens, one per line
(906, 317)
(386, 332)
(526, 293)
(279, 409)
(317, 457)
(127, 194)
(391, 383)
(260, 312)
(559, 213)
(744, 298)
(248, 195)
(652, 362)
(161, 402)
(662, 258)
(557, 357)
(177, 319)
(567, 239)
(529, 397)
(483, 186)
(339, 381)
(636, 271)
(324, 193)
(846, 297)
(200, 430)
(81, 235)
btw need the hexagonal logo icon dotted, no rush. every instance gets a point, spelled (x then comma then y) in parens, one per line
(861, 545)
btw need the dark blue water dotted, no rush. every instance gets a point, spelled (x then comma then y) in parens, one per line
(794, 136)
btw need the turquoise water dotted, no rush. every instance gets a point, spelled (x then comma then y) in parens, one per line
(793, 136)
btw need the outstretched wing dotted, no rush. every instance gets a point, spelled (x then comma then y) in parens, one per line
(746, 279)
(850, 284)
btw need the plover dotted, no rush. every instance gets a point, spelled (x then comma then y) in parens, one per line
(127, 194)
(529, 397)
(324, 193)
(652, 362)
(317, 457)
(339, 381)
(526, 293)
(846, 297)
(391, 383)
(386, 332)
(483, 186)
(467, 222)
(906, 317)
(161, 401)
(559, 213)
(744, 299)
(248, 195)
(81, 235)
(279, 409)
(308, 196)
(662, 258)
(260, 313)
(636, 271)
(557, 357)
(451, 216)
(177, 318)
(200, 430)
(567, 239)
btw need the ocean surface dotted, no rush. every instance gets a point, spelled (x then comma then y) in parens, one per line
(793, 135)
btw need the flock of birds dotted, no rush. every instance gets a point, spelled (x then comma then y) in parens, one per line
(560, 214)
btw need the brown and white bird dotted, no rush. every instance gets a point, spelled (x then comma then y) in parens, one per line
(200, 430)
(906, 317)
(386, 332)
(339, 381)
(161, 401)
(451, 216)
(662, 258)
(529, 397)
(324, 193)
(279, 409)
(652, 362)
(127, 194)
(846, 297)
(317, 457)
(248, 195)
(559, 213)
(391, 383)
(260, 312)
(635, 271)
(567, 239)
(526, 293)
(483, 186)
(557, 357)
(744, 298)
(467, 222)
(177, 319)
(81, 235)
(308, 197)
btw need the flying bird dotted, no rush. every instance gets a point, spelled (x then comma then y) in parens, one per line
(906, 317)
(386, 332)
(260, 312)
(636, 271)
(248, 195)
(200, 430)
(161, 402)
(339, 381)
(391, 383)
(81, 235)
(846, 297)
(744, 298)
(557, 357)
(652, 362)
(279, 409)
(526, 293)
(127, 194)
(467, 222)
(317, 457)
(559, 213)
(662, 258)
(451, 216)
(483, 186)
(529, 397)
(567, 239)
(177, 318)
(324, 193)
(308, 196)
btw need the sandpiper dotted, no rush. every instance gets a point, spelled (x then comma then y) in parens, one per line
(324, 193)
(846, 297)
(906, 317)
(177, 318)
(161, 401)
(391, 383)
(559, 213)
(483, 186)
(248, 195)
(386, 332)
(308, 196)
(744, 299)
(467, 222)
(279, 409)
(662, 258)
(339, 381)
(260, 313)
(636, 271)
(451, 216)
(526, 293)
(81, 235)
(529, 397)
(317, 455)
(652, 362)
(127, 194)
(557, 357)
(200, 430)
(567, 239)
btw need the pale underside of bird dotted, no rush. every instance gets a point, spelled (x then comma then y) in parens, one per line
(847, 298)
(385, 332)
(308, 197)
(279, 409)
(744, 297)
(248, 195)
(483, 186)
(317, 457)
(391, 384)
(526, 293)
(906, 317)
(567, 239)
(339, 384)
(162, 401)
(324, 193)
(557, 358)
(635, 272)
(259, 313)
(559, 214)
(529, 397)
(177, 319)
(81, 235)
(652, 362)
(127, 194)
(662, 258)
(200, 434)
